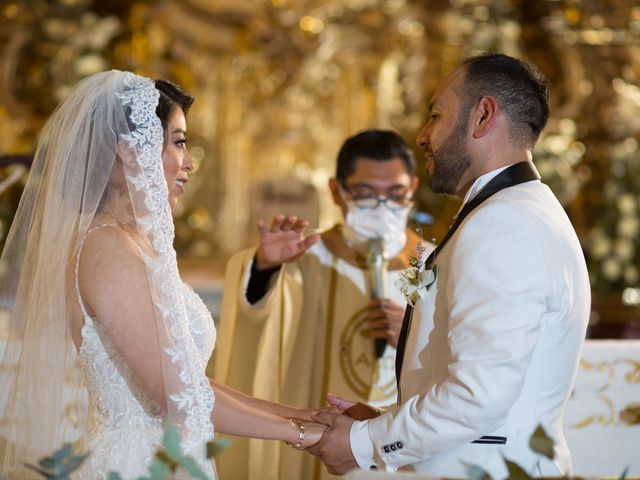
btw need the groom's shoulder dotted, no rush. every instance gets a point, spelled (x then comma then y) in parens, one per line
(501, 210)
(520, 203)
(531, 218)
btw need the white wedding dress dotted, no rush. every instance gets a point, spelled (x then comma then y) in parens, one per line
(121, 435)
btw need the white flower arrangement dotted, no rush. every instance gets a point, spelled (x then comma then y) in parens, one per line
(415, 281)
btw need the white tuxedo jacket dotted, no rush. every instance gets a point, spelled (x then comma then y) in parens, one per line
(493, 349)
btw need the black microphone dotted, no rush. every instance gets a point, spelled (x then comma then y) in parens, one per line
(377, 263)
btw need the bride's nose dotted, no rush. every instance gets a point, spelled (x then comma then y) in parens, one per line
(188, 163)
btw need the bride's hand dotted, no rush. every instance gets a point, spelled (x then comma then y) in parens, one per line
(305, 413)
(312, 434)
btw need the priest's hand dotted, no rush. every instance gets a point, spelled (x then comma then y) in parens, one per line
(282, 242)
(385, 320)
(334, 449)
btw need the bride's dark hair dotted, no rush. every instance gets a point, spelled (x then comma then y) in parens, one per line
(171, 96)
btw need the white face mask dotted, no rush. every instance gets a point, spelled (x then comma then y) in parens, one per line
(364, 224)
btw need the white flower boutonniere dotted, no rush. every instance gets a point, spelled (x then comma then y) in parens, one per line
(416, 280)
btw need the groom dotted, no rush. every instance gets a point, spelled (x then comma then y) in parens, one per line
(490, 351)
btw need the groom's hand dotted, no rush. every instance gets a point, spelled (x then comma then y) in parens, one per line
(334, 449)
(339, 402)
(355, 410)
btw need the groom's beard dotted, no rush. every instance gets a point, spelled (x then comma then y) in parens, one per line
(451, 160)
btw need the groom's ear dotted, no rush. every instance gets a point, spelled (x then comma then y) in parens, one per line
(484, 116)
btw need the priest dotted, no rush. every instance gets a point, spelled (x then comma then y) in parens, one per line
(304, 315)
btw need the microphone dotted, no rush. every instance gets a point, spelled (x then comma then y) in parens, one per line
(377, 263)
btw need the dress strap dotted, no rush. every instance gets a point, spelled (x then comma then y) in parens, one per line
(77, 268)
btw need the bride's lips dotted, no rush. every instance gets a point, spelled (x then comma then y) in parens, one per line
(181, 182)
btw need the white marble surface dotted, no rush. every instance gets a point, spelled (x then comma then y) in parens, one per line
(608, 381)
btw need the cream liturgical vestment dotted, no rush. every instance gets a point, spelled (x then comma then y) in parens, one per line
(304, 338)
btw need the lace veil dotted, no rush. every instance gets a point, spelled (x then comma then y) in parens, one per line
(103, 142)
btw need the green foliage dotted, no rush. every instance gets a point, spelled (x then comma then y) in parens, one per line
(216, 447)
(631, 414)
(60, 465)
(171, 441)
(190, 465)
(159, 469)
(476, 473)
(167, 461)
(541, 443)
(516, 472)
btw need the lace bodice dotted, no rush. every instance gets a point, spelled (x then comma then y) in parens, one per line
(123, 431)
(112, 389)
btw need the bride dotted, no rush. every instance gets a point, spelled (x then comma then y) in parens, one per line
(90, 279)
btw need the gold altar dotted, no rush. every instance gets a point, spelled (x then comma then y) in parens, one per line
(280, 83)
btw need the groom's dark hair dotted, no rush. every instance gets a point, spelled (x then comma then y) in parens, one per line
(378, 145)
(520, 89)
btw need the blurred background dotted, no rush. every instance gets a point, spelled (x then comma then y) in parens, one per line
(279, 84)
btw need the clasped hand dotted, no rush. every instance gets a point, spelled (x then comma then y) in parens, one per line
(334, 446)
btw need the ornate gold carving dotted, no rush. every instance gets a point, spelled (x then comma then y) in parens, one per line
(609, 418)
(610, 369)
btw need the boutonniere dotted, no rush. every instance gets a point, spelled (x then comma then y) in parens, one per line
(415, 281)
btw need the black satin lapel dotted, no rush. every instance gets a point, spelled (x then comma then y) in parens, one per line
(514, 175)
(402, 341)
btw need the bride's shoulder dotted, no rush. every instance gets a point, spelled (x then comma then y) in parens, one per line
(110, 265)
(111, 237)
(109, 247)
